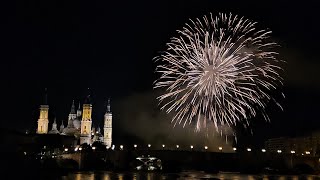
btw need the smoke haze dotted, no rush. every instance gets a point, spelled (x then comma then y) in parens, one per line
(144, 121)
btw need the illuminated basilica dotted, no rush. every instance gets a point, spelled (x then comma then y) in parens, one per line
(79, 124)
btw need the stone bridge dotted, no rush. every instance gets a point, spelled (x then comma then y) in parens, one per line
(239, 161)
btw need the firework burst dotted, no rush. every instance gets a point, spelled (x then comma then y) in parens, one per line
(220, 69)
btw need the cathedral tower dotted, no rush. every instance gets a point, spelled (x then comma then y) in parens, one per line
(108, 126)
(86, 122)
(43, 121)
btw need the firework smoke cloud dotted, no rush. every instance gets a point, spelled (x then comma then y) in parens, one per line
(219, 69)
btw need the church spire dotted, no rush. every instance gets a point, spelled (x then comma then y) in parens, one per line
(45, 100)
(61, 126)
(73, 111)
(79, 112)
(72, 114)
(54, 125)
(108, 106)
(88, 98)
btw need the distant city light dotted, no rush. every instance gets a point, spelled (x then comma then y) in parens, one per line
(149, 145)
(25, 153)
(177, 146)
(191, 147)
(292, 152)
(66, 149)
(205, 147)
(220, 148)
(135, 146)
(249, 149)
(121, 147)
(279, 151)
(307, 152)
(234, 149)
(93, 147)
(163, 145)
(263, 150)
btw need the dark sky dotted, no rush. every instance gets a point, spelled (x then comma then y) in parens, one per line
(108, 46)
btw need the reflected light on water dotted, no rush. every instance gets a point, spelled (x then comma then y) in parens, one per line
(108, 175)
(221, 176)
(80, 176)
(295, 178)
(149, 176)
(264, 177)
(120, 176)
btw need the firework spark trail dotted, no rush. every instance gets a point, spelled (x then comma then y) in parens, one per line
(219, 69)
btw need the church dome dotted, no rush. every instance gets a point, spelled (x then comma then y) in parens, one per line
(53, 131)
(76, 123)
(69, 131)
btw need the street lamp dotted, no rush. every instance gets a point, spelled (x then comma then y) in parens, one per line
(249, 149)
(121, 147)
(205, 147)
(292, 152)
(66, 149)
(220, 149)
(149, 145)
(279, 151)
(307, 152)
(191, 147)
(234, 149)
(163, 146)
(80, 148)
(263, 150)
(135, 146)
(93, 147)
(177, 146)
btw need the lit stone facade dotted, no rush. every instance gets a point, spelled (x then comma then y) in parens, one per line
(108, 126)
(86, 123)
(43, 121)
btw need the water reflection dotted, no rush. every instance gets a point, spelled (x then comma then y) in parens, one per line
(108, 175)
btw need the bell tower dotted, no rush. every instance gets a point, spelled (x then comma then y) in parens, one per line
(43, 121)
(108, 126)
(86, 122)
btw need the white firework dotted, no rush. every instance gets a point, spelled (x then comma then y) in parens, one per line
(220, 69)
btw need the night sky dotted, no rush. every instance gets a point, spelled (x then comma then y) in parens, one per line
(68, 46)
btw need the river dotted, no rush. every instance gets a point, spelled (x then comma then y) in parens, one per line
(188, 175)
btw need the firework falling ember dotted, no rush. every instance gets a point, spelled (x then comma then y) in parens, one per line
(220, 69)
